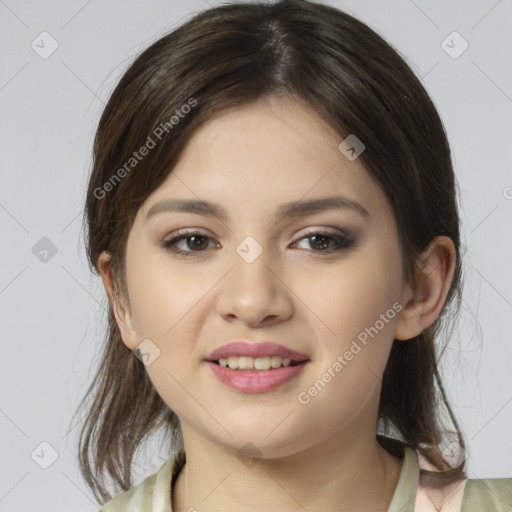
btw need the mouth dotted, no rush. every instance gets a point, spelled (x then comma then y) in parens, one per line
(260, 356)
(256, 375)
(248, 363)
(255, 367)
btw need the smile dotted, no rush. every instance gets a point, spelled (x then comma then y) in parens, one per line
(256, 363)
(250, 380)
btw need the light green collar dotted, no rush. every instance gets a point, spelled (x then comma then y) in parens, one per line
(405, 492)
(403, 499)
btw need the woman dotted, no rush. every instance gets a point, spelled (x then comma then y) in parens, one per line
(272, 210)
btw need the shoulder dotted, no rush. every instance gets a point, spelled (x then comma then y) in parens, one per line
(468, 495)
(138, 497)
(152, 490)
(488, 494)
(473, 495)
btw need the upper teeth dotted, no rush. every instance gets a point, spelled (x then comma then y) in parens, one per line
(250, 363)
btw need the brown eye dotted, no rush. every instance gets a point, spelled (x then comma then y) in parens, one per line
(188, 244)
(320, 242)
(197, 242)
(326, 242)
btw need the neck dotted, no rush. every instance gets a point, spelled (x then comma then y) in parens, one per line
(342, 473)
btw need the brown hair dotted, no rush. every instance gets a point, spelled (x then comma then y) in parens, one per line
(232, 55)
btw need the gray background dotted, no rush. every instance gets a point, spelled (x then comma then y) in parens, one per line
(52, 313)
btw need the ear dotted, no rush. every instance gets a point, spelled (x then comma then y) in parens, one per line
(434, 275)
(121, 312)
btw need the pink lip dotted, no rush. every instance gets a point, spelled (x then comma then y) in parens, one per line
(257, 381)
(266, 348)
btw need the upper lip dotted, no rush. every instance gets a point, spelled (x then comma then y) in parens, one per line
(261, 349)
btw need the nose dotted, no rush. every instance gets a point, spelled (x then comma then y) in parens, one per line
(254, 293)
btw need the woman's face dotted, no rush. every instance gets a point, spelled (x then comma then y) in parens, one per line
(323, 280)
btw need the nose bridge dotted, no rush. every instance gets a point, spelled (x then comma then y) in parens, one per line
(252, 291)
(251, 270)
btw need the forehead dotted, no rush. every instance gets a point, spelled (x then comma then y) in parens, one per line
(273, 132)
(272, 151)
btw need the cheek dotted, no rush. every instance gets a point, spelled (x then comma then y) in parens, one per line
(348, 373)
(359, 306)
(162, 297)
(353, 296)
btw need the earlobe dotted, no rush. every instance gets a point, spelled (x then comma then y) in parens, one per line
(121, 312)
(434, 275)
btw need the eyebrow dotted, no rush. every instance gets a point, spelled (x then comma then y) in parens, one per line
(287, 210)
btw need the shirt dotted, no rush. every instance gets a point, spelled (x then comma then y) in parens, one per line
(154, 494)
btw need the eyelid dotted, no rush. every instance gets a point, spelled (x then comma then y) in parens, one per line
(342, 239)
(308, 231)
(328, 230)
(186, 232)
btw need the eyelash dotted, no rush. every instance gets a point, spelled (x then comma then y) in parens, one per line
(342, 240)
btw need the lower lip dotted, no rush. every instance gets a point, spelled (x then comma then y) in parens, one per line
(257, 381)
